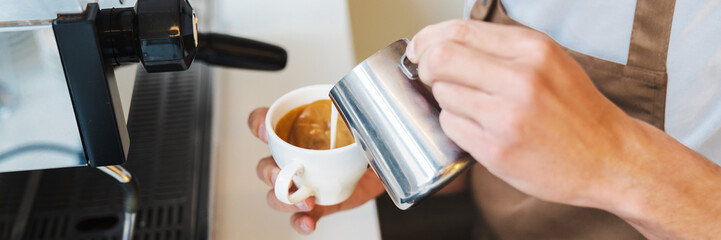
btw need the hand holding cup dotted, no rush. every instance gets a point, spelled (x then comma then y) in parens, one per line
(324, 177)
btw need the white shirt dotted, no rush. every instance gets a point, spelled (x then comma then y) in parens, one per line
(602, 28)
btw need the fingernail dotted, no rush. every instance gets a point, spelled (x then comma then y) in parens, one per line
(274, 175)
(410, 51)
(305, 226)
(261, 132)
(302, 206)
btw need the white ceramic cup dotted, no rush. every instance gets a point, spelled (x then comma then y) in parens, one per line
(329, 175)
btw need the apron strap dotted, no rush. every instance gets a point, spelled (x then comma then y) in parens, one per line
(651, 33)
(482, 8)
(650, 36)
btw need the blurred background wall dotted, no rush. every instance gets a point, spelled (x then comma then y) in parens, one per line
(316, 35)
(377, 23)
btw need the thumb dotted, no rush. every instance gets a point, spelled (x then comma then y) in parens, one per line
(256, 123)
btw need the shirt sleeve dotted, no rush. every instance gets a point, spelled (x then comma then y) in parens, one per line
(467, 8)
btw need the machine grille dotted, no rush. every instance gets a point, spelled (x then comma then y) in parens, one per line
(169, 126)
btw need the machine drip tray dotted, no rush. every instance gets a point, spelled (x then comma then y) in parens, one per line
(169, 126)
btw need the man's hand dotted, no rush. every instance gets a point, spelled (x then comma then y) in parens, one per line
(523, 108)
(528, 112)
(306, 212)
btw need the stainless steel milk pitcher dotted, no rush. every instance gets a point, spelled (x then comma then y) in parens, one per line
(395, 119)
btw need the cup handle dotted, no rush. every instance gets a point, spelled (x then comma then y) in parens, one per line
(285, 178)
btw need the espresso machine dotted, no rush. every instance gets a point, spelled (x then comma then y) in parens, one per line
(79, 112)
(59, 100)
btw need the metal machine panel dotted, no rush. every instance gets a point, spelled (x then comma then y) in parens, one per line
(37, 123)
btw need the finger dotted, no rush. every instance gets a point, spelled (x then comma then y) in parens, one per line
(302, 206)
(369, 187)
(267, 170)
(466, 102)
(491, 38)
(256, 123)
(306, 222)
(452, 62)
(466, 133)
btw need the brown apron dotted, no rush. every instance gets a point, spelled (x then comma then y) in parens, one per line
(639, 88)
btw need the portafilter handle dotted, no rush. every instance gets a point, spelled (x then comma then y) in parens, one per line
(163, 36)
(237, 52)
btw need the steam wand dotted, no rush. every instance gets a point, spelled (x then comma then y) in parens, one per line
(130, 197)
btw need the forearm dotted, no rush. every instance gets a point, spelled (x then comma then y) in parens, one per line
(675, 193)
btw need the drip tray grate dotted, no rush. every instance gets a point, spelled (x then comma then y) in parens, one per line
(169, 127)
